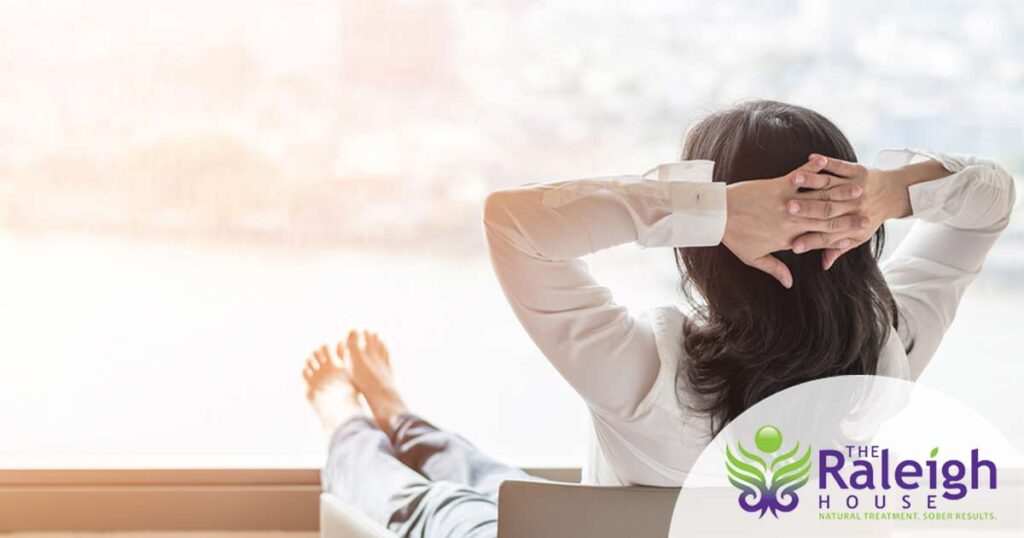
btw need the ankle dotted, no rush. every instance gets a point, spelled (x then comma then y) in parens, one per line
(334, 406)
(387, 410)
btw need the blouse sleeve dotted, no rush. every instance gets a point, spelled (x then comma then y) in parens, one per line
(959, 217)
(537, 236)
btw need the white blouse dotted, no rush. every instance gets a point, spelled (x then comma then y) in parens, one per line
(624, 366)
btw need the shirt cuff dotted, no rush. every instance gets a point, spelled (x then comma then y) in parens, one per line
(698, 214)
(888, 159)
(929, 197)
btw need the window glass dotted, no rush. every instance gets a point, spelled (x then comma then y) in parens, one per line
(193, 195)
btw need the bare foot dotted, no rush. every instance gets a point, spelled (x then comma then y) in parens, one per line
(371, 374)
(329, 388)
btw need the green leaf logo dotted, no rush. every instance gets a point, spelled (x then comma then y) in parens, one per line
(768, 482)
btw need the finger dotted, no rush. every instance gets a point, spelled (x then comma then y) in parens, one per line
(774, 267)
(818, 240)
(838, 167)
(307, 373)
(841, 239)
(819, 209)
(829, 257)
(840, 226)
(322, 355)
(814, 164)
(841, 189)
(312, 364)
(339, 348)
(810, 180)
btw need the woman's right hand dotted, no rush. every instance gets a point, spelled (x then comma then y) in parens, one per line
(758, 222)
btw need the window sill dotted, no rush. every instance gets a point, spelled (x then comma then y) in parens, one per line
(178, 499)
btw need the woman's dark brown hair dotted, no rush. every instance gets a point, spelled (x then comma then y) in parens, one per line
(750, 337)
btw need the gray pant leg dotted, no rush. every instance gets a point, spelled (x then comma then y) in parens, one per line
(443, 455)
(362, 471)
(445, 509)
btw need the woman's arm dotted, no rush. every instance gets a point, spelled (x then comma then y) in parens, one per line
(962, 213)
(537, 235)
(963, 204)
(608, 356)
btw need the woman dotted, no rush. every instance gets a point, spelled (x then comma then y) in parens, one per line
(659, 386)
(789, 291)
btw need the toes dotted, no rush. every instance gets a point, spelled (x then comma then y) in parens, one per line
(321, 356)
(353, 345)
(366, 343)
(379, 348)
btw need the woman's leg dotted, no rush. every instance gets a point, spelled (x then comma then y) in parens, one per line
(436, 454)
(362, 469)
(443, 455)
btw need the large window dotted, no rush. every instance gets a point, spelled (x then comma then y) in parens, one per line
(195, 194)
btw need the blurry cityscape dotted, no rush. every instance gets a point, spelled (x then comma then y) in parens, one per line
(359, 121)
(194, 194)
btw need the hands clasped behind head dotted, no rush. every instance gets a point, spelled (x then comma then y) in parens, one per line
(827, 204)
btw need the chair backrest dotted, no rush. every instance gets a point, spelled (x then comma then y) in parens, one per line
(553, 509)
(339, 520)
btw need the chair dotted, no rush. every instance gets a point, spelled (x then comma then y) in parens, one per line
(556, 509)
(541, 510)
(339, 520)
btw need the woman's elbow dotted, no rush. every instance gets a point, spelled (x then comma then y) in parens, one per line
(509, 217)
(495, 207)
(501, 225)
(1009, 200)
(997, 186)
(507, 207)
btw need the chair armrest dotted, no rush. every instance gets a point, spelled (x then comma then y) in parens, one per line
(339, 520)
